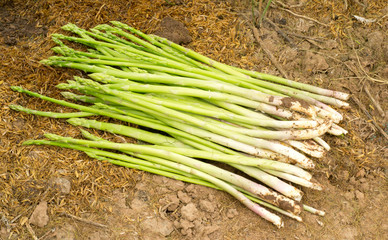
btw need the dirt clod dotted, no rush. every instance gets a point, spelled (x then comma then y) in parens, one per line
(171, 201)
(189, 212)
(360, 196)
(184, 197)
(375, 40)
(160, 226)
(314, 63)
(39, 216)
(231, 213)
(174, 31)
(62, 184)
(207, 206)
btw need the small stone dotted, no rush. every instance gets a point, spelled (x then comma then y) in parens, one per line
(184, 197)
(39, 217)
(183, 232)
(172, 201)
(207, 206)
(160, 226)
(175, 185)
(375, 40)
(197, 223)
(173, 30)
(62, 184)
(189, 212)
(4, 233)
(142, 186)
(162, 190)
(185, 224)
(359, 195)
(177, 224)
(231, 213)
(159, 179)
(187, 232)
(140, 200)
(314, 63)
(191, 188)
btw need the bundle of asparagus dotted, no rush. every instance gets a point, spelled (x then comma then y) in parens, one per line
(201, 110)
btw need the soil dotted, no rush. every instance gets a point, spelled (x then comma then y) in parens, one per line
(53, 193)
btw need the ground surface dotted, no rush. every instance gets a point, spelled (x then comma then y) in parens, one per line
(52, 187)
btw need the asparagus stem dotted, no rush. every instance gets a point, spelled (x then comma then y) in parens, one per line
(50, 114)
(198, 81)
(140, 150)
(300, 158)
(124, 118)
(287, 82)
(217, 182)
(136, 133)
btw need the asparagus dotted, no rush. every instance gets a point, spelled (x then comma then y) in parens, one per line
(203, 109)
(242, 72)
(276, 220)
(140, 150)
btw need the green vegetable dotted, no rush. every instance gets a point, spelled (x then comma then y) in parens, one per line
(193, 111)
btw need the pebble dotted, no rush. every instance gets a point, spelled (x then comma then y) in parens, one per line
(62, 184)
(39, 217)
(359, 195)
(207, 206)
(184, 197)
(189, 212)
(231, 213)
(160, 226)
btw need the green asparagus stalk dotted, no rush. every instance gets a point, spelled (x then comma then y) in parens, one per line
(217, 182)
(50, 114)
(140, 150)
(242, 72)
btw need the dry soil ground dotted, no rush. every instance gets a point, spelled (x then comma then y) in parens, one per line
(52, 193)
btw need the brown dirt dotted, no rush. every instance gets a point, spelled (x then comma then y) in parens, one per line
(341, 53)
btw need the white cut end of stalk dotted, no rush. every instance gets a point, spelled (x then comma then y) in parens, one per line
(313, 210)
(342, 96)
(325, 114)
(322, 142)
(309, 111)
(344, 131)
(295, 194)
(301, 160)
(308, 147)
(316, 186)
(337, 130)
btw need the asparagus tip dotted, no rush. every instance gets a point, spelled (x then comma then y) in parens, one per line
(104, 27)
(63, 86)
(17, 88)
(52, 136)
(58, 36)
(15, 107)
(71, 27)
